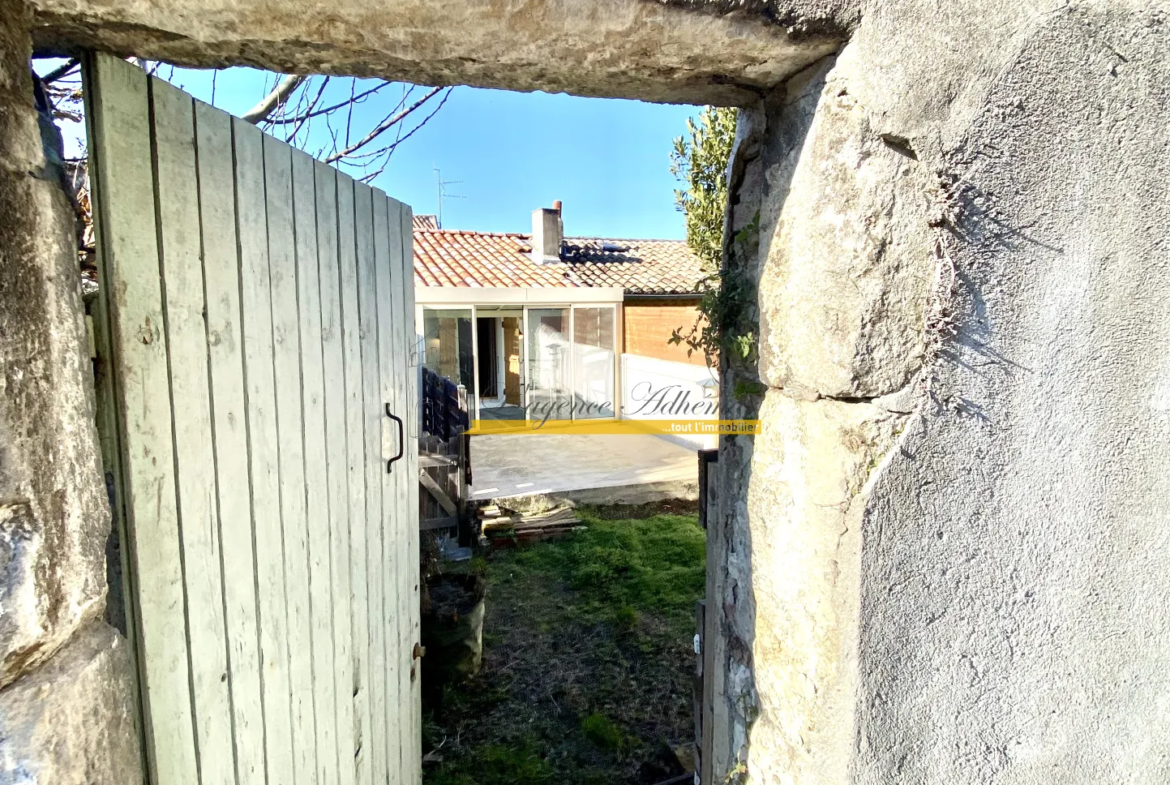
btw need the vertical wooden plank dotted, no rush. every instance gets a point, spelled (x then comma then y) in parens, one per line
(697, 682)
(333, 358)
(217, 210)
(714, 748)
(316, 493)
(355, 440)
(388, 375)
(410, 498)
(106, 400)
(177, 197)
(263, 451)
(708, 620)
(371, 427)
(131, 281)
(396, 376)
(282, 260)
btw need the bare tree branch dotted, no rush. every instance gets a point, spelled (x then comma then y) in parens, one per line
(326, 110)
(57, 73)
(274, 100)
(349, 109)
(308, 113)
(434, 112)
(388, 123)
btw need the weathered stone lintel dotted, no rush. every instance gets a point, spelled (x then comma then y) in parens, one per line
(619, 48)
(834, 18)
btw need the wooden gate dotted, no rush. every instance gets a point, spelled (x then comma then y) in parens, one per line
(254, 333)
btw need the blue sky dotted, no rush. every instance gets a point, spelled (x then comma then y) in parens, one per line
(606, 160)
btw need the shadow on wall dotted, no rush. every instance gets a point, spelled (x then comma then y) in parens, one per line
(1023, 524)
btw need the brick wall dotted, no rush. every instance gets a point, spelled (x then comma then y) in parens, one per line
(649, 324)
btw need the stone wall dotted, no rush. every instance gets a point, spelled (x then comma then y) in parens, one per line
(844, 264)
(949, 564)
(64, 675)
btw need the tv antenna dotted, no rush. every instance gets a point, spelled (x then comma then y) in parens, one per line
(442, 185)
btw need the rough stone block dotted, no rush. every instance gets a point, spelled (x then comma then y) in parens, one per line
(810, 471)
(851, 261)
(54, 516)
(72, 721)
(694, 51)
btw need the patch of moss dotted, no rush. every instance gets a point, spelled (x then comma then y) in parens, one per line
(602, 732)
(497, 764)
(746, 389)
(625, 619)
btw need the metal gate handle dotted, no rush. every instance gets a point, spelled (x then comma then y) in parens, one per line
(401, 440)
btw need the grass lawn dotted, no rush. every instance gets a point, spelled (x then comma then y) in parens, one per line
(588, 658)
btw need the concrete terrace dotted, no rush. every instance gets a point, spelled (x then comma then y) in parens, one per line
(627, 468)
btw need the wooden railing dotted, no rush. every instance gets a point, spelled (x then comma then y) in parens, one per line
(703, 693)
(443, 454)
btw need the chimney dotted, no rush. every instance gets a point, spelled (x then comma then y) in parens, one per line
(547, 233)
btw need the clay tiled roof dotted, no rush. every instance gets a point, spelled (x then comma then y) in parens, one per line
(637, 266)
(445, 257)
(426, 222)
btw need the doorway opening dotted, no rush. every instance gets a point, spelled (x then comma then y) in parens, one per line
(525, 353)
(501, 364)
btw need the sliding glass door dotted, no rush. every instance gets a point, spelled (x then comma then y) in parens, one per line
(549, 364)
(499, 362)
(594, 362)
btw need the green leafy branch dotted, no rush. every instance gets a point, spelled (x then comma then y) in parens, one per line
(728, 296)
(700, 161)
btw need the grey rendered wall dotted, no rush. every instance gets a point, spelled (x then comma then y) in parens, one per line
(1015, 613)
